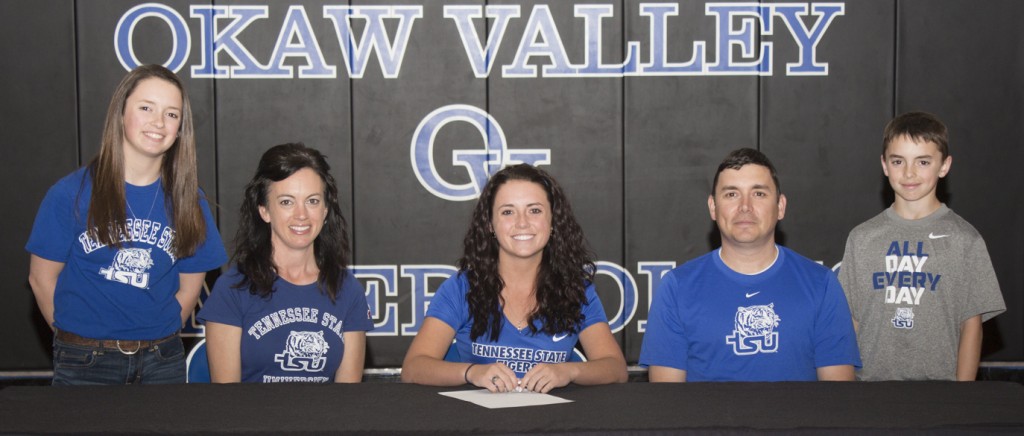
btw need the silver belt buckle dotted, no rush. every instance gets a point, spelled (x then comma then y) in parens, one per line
(136, 350)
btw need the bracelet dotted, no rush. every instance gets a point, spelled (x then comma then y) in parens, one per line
(465, 376)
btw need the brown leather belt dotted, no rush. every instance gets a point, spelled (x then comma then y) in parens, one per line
(124, 346)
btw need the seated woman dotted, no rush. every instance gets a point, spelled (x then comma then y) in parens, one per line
(288, 310)
(523, 297)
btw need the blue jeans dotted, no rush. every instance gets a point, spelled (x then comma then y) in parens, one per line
(159, 364)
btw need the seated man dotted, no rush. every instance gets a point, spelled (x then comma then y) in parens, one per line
(751, 310)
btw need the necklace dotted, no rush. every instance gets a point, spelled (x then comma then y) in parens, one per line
(153, 204)
(518, 326)
(516, 311)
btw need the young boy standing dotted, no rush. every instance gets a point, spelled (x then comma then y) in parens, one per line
(917, 276)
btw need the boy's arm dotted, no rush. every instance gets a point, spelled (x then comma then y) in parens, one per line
(970, 349)
(848, 281)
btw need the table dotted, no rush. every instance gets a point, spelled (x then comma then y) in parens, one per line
(388, 408)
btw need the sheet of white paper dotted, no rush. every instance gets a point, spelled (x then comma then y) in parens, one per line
(483, 397)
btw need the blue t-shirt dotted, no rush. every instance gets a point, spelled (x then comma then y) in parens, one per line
(295, 335)
(518, 349)
(719, 325)
(108, 293)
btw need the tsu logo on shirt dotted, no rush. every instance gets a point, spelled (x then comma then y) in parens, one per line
(304, 351)
(755, 330)
(904, 318)
(131, 267)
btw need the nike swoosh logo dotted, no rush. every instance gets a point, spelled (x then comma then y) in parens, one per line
(556, 338)
(934, 236)
(751, 294)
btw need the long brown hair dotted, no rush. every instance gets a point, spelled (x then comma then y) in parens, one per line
(180, 182)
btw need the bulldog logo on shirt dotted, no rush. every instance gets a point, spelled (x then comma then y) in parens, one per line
(131, 267)
(304, 351)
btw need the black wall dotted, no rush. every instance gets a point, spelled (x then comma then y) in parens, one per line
(635, 153)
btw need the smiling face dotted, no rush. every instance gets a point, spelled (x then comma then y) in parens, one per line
(521, 221)
(914, 170)
(746, 205)
(295, 211)
(152, 116)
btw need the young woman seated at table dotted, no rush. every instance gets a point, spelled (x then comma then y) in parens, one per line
(523, 298)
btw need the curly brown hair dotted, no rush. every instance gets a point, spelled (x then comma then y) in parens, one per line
(567, 265)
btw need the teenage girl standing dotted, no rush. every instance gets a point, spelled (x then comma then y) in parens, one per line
(121, 246)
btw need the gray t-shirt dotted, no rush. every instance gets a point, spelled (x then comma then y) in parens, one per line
(910, 284)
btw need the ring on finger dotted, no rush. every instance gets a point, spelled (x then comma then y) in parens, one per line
(494, 381)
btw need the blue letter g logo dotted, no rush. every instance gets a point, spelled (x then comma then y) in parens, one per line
(479, 163)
